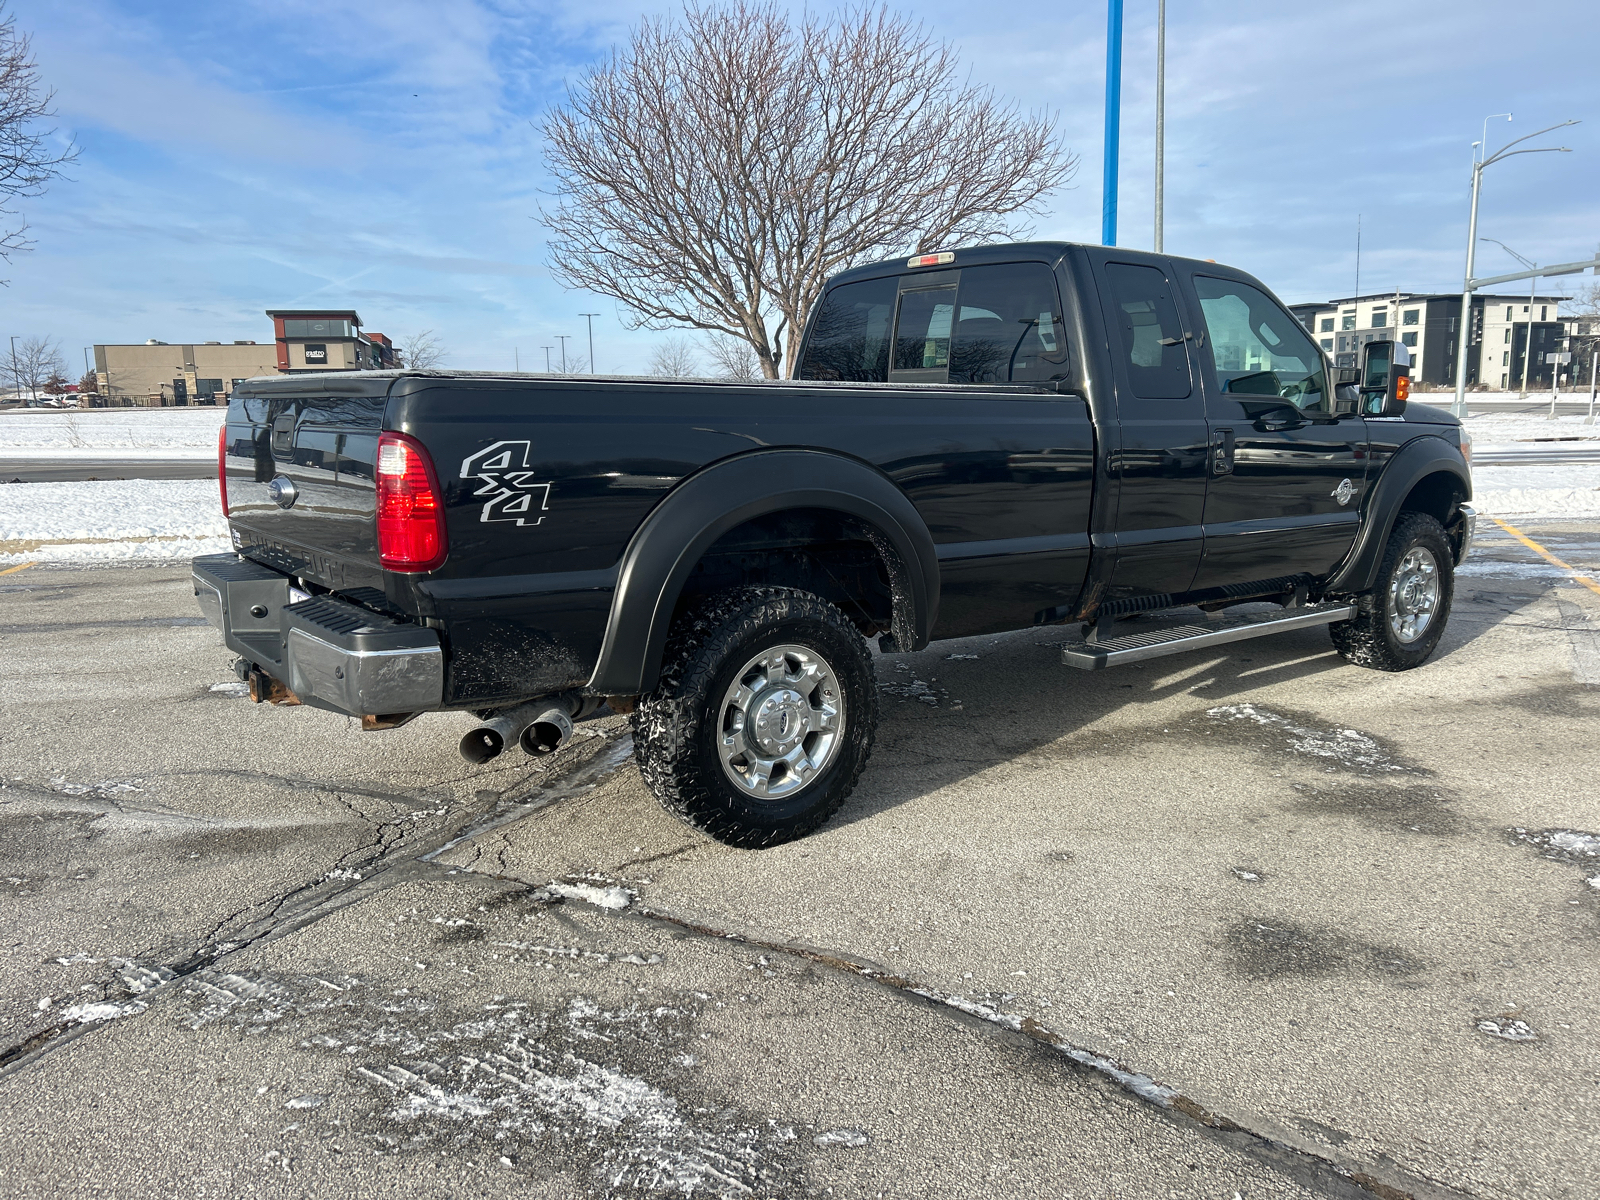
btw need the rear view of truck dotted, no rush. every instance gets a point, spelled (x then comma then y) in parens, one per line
(323, 505)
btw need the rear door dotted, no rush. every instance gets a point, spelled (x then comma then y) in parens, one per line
(1287, 475)
(1160, 461)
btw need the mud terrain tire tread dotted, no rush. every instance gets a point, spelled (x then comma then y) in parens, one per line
(673, 725)
(1367, 640)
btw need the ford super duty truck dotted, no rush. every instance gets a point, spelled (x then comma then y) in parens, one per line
(975, 441)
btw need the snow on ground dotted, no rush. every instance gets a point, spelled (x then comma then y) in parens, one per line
(1571, 491)
(111, 433)
(1530, 431)
(111, 519)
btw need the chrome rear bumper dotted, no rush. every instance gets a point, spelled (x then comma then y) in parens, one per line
(328, 652)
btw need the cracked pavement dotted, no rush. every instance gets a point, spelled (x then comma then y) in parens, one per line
(1253, 923)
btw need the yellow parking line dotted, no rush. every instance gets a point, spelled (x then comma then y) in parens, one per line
(1545, 554)
(14, 570)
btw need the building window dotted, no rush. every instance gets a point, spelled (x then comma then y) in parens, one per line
(1410, 339)
(1327, 324)
(1410, 316)
(1508, 312)
(1327, 343)
(333, 329)
(1380, 317)
(1503, 378)
(1543, 309)
(1348, 321)
(1508, 337)
(1505, 359)
(1583, 329)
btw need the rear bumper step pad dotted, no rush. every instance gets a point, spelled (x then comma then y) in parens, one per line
(1136, 647)
(328, 652)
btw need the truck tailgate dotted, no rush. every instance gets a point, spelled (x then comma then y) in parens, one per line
(320, 450)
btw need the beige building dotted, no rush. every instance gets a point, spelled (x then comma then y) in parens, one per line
(157, 373)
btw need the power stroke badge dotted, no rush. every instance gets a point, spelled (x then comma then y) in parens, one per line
(506, 483)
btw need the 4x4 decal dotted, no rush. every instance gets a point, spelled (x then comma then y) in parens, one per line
(509, 494)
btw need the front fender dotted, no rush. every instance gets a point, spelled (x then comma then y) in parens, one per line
(678, 532)
(1409, 466)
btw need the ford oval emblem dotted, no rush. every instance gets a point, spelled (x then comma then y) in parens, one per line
(283, 492)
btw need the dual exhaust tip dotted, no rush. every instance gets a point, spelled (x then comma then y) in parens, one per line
(539, 729)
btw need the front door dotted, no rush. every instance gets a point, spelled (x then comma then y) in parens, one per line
(1287, 476)
(1160, 462)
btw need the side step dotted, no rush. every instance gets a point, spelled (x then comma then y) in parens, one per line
(1113, 652)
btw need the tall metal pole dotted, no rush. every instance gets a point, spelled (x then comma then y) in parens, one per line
(590, 318)
(546, 350)
(1358, 263)
(1594, 364)
(1464, 326)
(562, 338)
(1527, 351)
(16, 376)
(1108, 200)
(1161, 123)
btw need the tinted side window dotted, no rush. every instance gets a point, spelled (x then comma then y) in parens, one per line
(1148, 328)
(850, 338)
(1257, 348)
(1009, 328)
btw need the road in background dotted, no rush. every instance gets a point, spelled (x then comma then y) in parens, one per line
(72, 470)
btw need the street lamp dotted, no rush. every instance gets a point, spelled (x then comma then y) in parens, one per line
(1527, 356)
(546, 350)
(590, 318)
(1161, 123)
(16, 376)
(562, 338)
(1504, 152)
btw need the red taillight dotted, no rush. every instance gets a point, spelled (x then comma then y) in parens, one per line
(411, 533)
(222, 465)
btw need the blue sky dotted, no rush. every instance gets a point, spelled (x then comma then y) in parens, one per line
(241, 156)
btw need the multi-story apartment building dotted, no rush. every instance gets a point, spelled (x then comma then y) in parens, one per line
(1429, 324)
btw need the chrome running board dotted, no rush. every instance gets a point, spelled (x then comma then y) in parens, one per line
(1136, 647)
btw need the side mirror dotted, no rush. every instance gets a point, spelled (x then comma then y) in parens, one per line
(1385, 379)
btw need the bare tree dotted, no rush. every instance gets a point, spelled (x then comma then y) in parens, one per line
(34, 364)
(675, 359)
(714, 172)
(420, 351)
(731, 357)
(28, 158)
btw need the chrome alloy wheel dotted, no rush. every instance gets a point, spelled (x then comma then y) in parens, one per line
(782, 722)
(1414, 594)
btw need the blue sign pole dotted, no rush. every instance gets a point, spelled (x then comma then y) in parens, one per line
(1108, 204)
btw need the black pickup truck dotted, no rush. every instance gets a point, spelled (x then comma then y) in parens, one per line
(976, 441)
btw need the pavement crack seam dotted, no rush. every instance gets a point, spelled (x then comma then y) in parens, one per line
(1295, 1160)
(332, 892)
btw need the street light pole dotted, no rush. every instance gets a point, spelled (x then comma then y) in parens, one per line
(16, 376)
(1467, 285)
(562, 338)
(1533, 283)
(1161, 122)
(590, 318)
(546, 350)
(1108, 199)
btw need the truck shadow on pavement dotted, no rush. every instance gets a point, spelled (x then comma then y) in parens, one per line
(962, 707)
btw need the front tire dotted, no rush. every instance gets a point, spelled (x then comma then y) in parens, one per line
(763, 718)
(1400, 622)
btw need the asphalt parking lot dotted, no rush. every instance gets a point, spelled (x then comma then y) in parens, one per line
(1245, 923)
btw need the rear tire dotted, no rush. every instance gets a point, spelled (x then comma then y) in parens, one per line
(1400, 622)
(763, 718)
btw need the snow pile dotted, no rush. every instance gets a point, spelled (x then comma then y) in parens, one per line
(1530, 431)
(111, 433)
(1564, 490)
(111, 519)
